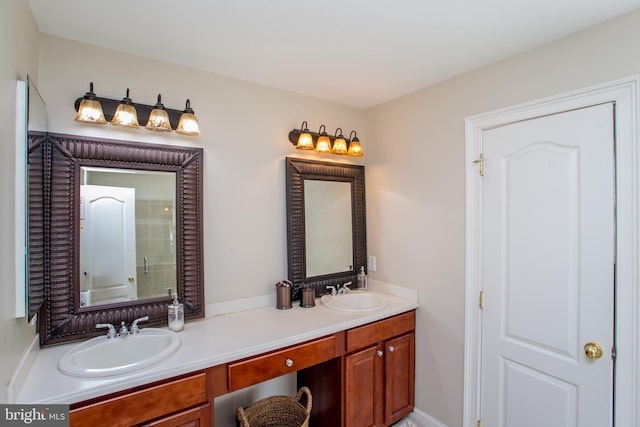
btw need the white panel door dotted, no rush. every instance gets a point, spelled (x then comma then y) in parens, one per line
(548, 271)
(108, 243)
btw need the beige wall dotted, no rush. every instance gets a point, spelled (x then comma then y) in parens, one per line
(244, 136)
(416, 185)
(18, 58)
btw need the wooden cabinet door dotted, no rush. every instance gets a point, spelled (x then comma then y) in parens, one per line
(399, 377)
(195, 417)
(142, 405)
(364, 382)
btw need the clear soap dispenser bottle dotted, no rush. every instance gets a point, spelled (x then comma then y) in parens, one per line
(362, 279)
(176, 314)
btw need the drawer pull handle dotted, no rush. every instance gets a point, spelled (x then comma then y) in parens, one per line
(288, 362)
(391, 349)
(379, 353)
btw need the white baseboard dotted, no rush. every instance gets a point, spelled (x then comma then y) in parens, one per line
(424, 420)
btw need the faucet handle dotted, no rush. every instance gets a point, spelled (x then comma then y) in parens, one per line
(346, 288)
(112, 330)
(134, 325)
(333, 290)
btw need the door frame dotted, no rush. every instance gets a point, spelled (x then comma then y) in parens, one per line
(625, 94)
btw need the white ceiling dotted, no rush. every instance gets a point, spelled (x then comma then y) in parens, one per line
(355, 52)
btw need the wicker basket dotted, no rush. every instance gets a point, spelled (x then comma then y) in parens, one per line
(277, 411)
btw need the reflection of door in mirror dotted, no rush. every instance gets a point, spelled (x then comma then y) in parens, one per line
(133, 254)
(108, 244)
(328, 227)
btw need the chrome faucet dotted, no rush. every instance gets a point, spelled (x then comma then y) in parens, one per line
(333, 290)
(123, 332)
(134, 325)
(112, 330)
(345, 288)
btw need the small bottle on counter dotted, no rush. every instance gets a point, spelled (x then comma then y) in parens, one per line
(176, 314)
(362, 279)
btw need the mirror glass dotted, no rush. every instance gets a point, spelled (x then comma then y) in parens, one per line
(328, 227)
(36, 119)
(37, 110)
(127, 235)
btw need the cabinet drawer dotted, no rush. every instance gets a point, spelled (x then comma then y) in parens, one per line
(376, 332)
(143, 405)
(195, 417)
(272, 365)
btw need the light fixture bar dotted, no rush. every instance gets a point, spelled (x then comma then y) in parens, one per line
(295, 134)
(109, 108)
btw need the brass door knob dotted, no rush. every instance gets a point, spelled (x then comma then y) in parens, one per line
(592, 350)
(132, 279)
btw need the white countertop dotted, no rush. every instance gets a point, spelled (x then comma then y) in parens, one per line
(205, 343)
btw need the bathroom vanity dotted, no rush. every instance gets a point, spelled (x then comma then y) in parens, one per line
(364, 375)
(359, 367)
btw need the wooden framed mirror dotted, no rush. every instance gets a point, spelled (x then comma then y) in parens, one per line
(58, 165)
(316, 216)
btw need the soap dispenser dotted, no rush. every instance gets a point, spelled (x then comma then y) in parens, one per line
(176, 314)
(362, 279)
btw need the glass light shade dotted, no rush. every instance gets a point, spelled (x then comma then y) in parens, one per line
(125, 116)
(159, 118)
(339, 146)
(188, 125)
(90, 111)
(324, 144)
(355, 149)
(159, 121)
(305, 141)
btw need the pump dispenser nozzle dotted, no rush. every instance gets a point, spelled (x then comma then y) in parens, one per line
(176, 314)
(362, 279)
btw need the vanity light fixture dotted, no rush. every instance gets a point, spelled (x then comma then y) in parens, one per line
(126, 113)
(159, 118)
(89, 108)
(355, 149)
(321, 142)
(339, 143)
(188, 124)
(324, 143)
(305, 140)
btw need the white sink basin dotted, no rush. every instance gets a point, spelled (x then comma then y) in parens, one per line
(357, 301)
(101, 357)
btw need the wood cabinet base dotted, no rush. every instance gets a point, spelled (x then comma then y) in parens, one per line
(360, 377)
